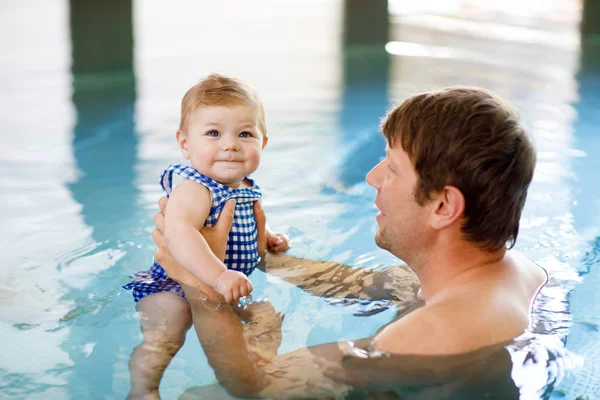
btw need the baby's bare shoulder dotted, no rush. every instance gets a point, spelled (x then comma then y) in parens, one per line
(189, 201)
(190, 188)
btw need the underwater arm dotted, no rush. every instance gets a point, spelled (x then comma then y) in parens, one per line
(335, 280)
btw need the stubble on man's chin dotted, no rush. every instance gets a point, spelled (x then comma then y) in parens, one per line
(381, 240)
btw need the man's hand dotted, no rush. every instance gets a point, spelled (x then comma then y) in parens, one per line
(232, 285)
(261, 228)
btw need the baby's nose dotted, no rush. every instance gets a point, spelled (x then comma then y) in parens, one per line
(231, 143)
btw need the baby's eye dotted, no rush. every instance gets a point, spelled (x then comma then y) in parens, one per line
(390, 168)
(245, 135)
(212, 133)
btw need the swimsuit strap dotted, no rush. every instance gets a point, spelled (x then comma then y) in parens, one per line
(187, 172)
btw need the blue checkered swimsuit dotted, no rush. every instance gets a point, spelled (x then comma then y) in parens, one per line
(242, 245)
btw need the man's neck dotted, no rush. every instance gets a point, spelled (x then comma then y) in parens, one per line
(444, 268)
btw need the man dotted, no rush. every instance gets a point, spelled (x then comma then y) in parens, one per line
(450, 192)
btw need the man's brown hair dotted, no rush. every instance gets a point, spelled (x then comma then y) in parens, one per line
(220, 90)
(468, 138)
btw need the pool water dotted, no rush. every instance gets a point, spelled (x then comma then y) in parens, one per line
(82, 154)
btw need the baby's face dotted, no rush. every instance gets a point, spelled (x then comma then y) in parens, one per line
(223, 142)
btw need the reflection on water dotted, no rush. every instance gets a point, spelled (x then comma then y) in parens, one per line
(82, 155)
(104, 144)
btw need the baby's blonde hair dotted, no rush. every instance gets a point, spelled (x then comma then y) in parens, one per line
(219, 90)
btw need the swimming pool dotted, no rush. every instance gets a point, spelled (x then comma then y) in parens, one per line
(82, 156)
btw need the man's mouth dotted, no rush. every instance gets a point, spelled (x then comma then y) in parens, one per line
(379, 212)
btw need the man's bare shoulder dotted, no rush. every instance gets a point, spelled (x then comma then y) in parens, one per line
(437, 329)
(527, 269)
(490, 307)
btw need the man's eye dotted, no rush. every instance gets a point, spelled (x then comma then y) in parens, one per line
(212, 133)
(245, 135)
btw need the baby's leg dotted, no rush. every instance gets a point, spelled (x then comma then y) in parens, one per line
(165, 320)
(262, 328)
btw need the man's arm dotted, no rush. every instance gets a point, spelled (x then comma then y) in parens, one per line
(335, 280)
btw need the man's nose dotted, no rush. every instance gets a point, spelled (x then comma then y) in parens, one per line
(374, 176)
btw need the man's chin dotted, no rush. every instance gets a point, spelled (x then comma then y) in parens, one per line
(380, 240)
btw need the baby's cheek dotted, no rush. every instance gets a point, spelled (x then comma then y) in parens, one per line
(254, 160)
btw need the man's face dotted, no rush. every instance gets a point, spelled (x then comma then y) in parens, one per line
(402, 221)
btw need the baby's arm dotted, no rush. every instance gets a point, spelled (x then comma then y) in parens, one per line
(186, 212)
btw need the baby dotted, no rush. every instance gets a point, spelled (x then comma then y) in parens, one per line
(222, 133)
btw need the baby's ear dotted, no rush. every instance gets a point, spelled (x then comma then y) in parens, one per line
(265, 141)
(182, 141)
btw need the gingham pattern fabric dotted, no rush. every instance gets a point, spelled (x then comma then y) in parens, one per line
(242, 245)
(154, 280)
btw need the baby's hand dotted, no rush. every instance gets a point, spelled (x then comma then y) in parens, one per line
(232, 285)
(277, 242)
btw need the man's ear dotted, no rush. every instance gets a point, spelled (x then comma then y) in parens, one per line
(265, 141)
(183, 144)
(450, 207)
